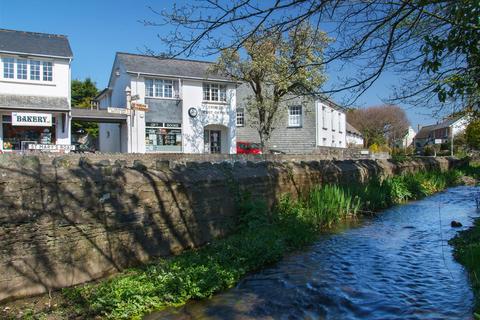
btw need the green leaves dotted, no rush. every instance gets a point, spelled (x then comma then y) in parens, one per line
(262, 238)
(472, 134)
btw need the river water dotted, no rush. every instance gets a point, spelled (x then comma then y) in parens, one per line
(397, 265)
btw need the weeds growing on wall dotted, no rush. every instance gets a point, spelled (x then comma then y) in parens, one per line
(262, 238)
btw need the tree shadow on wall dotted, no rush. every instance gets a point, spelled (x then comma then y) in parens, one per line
(63, 225)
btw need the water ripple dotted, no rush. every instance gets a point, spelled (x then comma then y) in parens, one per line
(397, 265)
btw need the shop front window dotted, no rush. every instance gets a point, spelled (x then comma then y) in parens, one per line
(163, 137)
(18, 137)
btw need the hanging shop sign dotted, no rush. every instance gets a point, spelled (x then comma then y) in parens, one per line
(117, 110)
(51, 147)
(139, 106)
(30, 119)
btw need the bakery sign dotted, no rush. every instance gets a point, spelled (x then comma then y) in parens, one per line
(30, 119)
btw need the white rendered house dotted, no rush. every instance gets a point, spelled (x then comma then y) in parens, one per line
(172, 106)
(35, 74)
(354, 137)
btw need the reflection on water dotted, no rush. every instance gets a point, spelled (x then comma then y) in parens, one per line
(397, 265)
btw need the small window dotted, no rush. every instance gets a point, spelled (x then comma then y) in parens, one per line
(167, 88)
(149, 87)
(324, 117)
(34, 70)
(339, 122)
(206, 92)
(333, 120)
(240, 118)
(8, 68)
(47, 71)
(159, 88)
(22, 66)
(295, 116)
(214, 92)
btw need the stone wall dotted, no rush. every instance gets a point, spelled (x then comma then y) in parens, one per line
(150, 159)
(68, 220)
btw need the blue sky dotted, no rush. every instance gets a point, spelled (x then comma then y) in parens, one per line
(98, 29)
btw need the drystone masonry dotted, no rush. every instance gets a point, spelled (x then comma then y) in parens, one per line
(68, 220)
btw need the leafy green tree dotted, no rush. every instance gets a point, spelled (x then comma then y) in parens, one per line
(82, 94)
(275, 66)
(472, 134)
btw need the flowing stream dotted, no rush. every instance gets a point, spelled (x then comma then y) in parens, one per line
(397, 265)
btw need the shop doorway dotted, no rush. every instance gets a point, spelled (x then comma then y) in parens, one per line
(215, 141)
(17, 138)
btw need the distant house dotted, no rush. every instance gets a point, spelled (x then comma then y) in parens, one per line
(35, 104)
(354, 137)
(407, 139)
(305, 123)
(441, 132)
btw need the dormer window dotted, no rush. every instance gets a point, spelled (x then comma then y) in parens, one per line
(214, 92)
(159, 88)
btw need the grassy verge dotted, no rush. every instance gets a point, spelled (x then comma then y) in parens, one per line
(466, 246)
(262, 238)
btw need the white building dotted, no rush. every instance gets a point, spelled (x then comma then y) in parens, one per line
(407, 139)
(354, 137)
(35, 74)
(304, 123)
(190, 109)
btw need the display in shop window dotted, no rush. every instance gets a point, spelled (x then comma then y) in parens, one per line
(162, 139)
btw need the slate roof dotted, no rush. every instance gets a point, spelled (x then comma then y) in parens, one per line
(351, 129)
(425, 131)
(11, 101)
(34, 43)
(168, 67)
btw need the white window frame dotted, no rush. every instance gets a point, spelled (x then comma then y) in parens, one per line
(295, 114)
(240, 120)
(47, 71)
(8, 63)
(21, 67)
(214, 92)
(35, 73)
(159, 88)
(22, 73)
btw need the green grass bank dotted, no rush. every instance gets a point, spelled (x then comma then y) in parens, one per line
(466, 248)
(262, 237)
